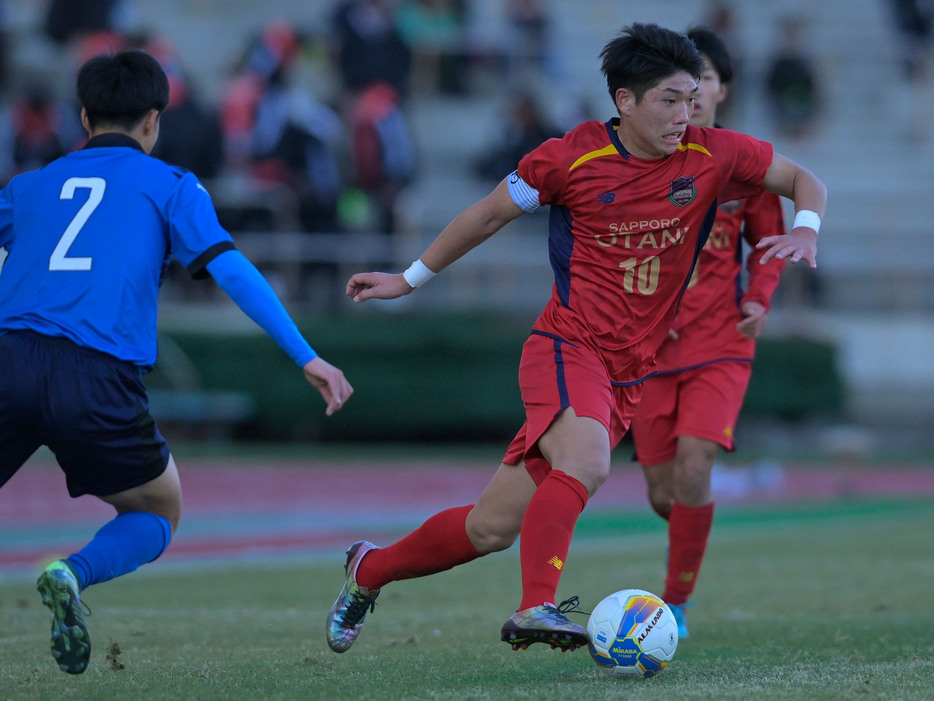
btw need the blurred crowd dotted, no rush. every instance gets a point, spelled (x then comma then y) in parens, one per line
(276, 155)
(279, 156)
(282, 158)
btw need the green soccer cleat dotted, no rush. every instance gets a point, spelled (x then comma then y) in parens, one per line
(545, 624)
(70, 641)
(345, 619)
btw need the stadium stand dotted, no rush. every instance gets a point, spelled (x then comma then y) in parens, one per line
(873, 295)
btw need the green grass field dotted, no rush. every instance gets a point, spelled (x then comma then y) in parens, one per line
(816, 601)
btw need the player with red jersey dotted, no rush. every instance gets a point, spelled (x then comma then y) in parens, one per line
(688, 411)
(632, 202)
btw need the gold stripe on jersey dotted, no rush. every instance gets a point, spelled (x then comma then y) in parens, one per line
(605, 151)
(696, 147)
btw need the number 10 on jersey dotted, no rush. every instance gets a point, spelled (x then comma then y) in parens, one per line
(640, 276)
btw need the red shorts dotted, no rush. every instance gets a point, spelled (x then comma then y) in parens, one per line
(703, 402)
(555, 375)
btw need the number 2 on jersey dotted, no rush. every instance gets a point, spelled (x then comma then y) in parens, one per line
(59, 259)
(641, 276)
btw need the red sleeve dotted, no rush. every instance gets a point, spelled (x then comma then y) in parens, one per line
(546, 169)
(744, 172)
(763, 217)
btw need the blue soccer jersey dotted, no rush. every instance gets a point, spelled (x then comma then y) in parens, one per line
(88, 239)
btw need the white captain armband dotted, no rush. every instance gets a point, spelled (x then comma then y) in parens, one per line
(523, 194)
(807, 218)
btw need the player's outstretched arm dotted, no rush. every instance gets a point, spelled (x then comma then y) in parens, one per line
(800, 244)
(364, 286)
(468, 230)
(246, 286)
(788, 179)
(328, 380)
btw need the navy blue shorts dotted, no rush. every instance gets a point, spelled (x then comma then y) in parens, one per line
(88, 407)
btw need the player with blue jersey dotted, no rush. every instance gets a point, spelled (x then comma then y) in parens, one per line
(632, 201)
(88, 239)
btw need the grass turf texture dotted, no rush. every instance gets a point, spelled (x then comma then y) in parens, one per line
(818, 601)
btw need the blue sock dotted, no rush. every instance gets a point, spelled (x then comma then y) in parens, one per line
(120, 546)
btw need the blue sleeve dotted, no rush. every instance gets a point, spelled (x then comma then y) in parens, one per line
(6, 215)
(195, 233)
(246, 286)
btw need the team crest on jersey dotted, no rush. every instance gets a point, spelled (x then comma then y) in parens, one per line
(682, 191)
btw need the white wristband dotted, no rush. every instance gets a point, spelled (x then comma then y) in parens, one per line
(807, 218)
(418, 273)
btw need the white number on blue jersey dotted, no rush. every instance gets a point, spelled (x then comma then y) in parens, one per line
(60, 259)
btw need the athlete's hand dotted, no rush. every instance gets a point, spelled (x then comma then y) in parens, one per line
(801, 243)
(330, 381)
(364, 286)
(753, 323)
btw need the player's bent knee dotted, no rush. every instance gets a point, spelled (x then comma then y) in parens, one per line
(692, 483)
(591, 473)
(166, 503)
(661, 502)
(490, 538)
(172, 515)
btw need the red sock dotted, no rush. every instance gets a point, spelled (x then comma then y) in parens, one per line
(545, 539)
(688, 529)
(437, 545)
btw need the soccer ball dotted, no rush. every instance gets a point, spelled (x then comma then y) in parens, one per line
(632, 634)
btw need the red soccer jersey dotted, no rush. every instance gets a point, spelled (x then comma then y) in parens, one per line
(625, 231)
(710, 309)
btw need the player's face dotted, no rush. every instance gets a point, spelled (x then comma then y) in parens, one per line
(654, 126)
(710, 93)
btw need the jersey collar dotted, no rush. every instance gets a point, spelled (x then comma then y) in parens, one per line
(113, 139)
(611, 129)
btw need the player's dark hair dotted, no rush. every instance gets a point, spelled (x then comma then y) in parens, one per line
(712, 46)
(120, 89)
(644, 55)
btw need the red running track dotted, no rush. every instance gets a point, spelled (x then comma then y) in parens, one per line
(263, 509)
